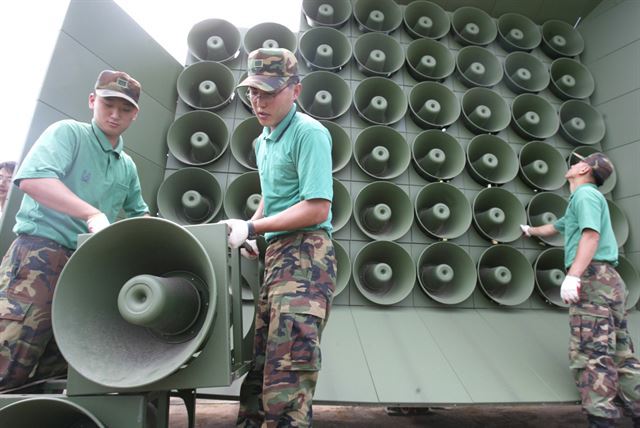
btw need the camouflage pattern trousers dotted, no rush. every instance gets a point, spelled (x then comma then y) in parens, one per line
(600, 350)
(293, 307)
(28, 276)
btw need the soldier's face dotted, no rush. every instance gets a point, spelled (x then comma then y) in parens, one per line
(112, 114)
(5, 182)
(577, 169)
(270, 109)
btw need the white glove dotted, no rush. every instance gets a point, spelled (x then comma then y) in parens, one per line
(570, 289)
(97, 222)
(252, 252)
(525, 229)
(238, 231)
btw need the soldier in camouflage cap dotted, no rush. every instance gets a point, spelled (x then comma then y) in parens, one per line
(271, 69)
(601, 166)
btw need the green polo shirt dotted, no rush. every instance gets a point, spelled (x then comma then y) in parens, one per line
(294, 162)
(587, 209)
(79, 155)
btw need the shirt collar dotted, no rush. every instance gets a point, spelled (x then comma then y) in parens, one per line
(104, 142)
(583, 185)
(277, 133)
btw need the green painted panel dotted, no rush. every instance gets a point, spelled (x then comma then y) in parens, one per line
(629, 206)
(626, 160)
(602, 7)
(565, 10)
(616, 74)
(621, 126)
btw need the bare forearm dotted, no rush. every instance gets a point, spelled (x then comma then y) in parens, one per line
(587, 247)
(544, 230)
(52, 193)
(303, 214)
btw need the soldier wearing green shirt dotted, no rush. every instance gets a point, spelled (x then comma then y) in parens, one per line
(601, 352)
(76, 179)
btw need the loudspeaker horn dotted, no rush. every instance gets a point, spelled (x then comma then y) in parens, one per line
(340, 145)
(437, 155)
(269, 35)
(498, 214)
(243, 196)
(425, 19)
(344, 267)
(377, 15)
(549, 273)
(585, 151)
(525, 73)
(505, 275)
(341, 206)
(380, 101)
(546, 208)
(241, 93)
(542, 167)
(190, 196)
(518, 33)
(581, 124)
(446, 273)
(442, 211)
(324, 95)
(198, 137)
(631, 279)
(326, 13)
(429, 59)
(477, 66)
(561, 39)
(484, 111)
(381, 152)
(384, 272)
(383, 210)
(214, 40)
(378, 54)
(619, 223)
(325, 48)
(433, 105)
(243, 141)
(571, 79)
(473, 26)
(534, 118)
(206, 85)
(47, 412)
(491, 160)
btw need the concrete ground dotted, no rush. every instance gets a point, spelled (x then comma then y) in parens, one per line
(218, 414)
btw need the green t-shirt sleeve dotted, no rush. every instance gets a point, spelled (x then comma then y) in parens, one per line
(134, 205)
(588, 211)
(314, 165)
(559, 225)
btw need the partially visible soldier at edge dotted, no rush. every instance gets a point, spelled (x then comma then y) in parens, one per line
(601, 352)
(6, 173)
(76, 179)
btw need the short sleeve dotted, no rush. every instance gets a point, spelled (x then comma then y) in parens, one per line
(134, 205)
(314, 165)
(588, 210)
(559, 225)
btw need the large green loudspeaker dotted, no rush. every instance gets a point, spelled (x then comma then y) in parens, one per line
(269, 35)
(585, 151)
(340, 145)
(498, 214)
(477, 66)
(542, 167)
(51, 412)
(442, 211)
(378, 54)
(155, 297)
(631, 279)
(425, 19)
(377, 15)
(324, 95)
(433, 105)
(550, 272)
(344, 267)
(525, 73)
(619, 223)
(341, 206)
(325, 48)
(491, 160)
(534, 118)
(384, 272)
(571, 79)
(446, 273)
(380, 101)
(243, 196)
(241, 93)
(381, 152)
(328, 13)
(429, 59)
(561, 39)
(198, 137)
(518, 33)
(437, 155)
(214, 40)
(190, 196)
(243, 139)
(581, 124)
(546, 208)
(383, 210)
(473, 26)
(206, 85)
(505, 275)
(484, 111)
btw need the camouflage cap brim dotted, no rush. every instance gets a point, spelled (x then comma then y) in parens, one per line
(264, 83)
(106, 93)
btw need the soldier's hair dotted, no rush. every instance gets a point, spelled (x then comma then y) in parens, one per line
(8, 165)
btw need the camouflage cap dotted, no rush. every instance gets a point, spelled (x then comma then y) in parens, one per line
(118, 84)
(270, 69)
(601, 166)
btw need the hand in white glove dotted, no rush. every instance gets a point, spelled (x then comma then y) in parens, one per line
(525, 229)
(238, 231)
(97, 222)
(250, 249)
(570, 289)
